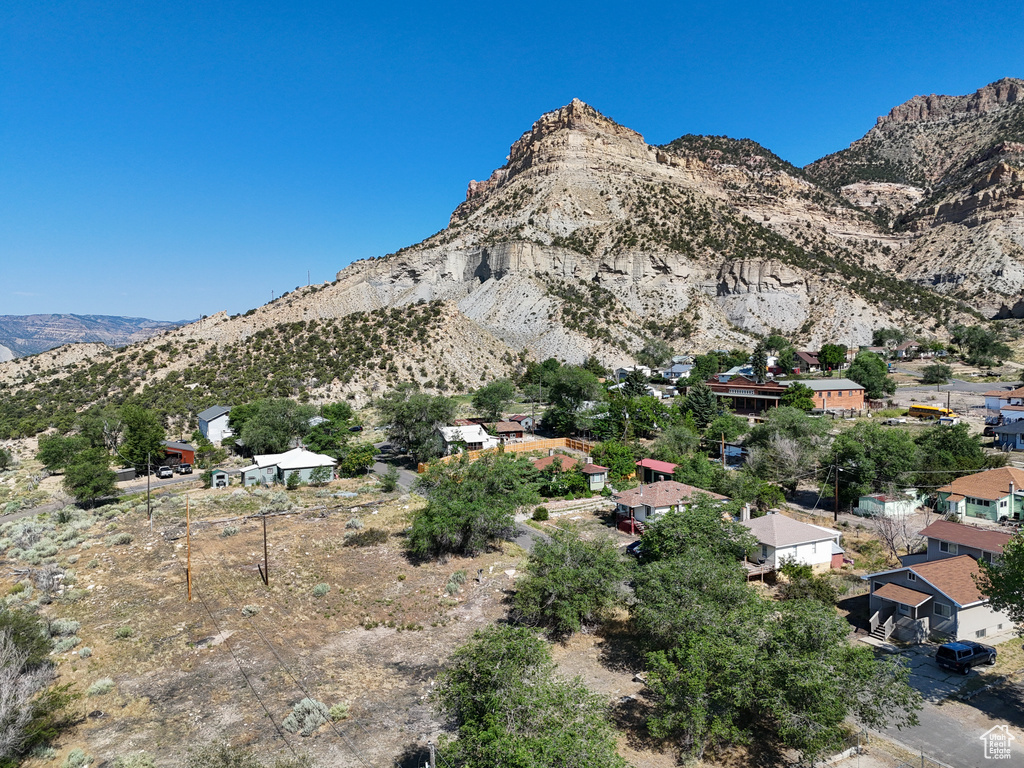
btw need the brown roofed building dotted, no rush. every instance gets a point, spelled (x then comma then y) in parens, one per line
(645, 503)
(564, 462)
(745, 396)
(947, 539)
(508, 430)
(995, 494)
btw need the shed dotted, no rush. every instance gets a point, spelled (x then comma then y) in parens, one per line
(218, 478)
(179, 453)
(128, 473)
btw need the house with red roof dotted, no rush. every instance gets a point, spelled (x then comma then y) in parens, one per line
(653, 471)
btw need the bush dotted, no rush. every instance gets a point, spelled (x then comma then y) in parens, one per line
(101, 687)
(455, 581)
(76, 759)
(389, 480)
(250, 610)
(293, 482)
(321, 589)
(120, 539)
(124, 633)
(85, 653)
(540, 513)
(354, 524)
(138, 760)
(65, 644)
(306, 717)
(229, 530)
(368, 538)
(64, 627)
(338, 712)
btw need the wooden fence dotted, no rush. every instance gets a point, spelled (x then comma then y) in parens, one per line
(583, 446)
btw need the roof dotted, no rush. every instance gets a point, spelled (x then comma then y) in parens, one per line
(469, 433)
(886, 497)
(902, 595)
(566, 462)
(954, 577)
(508, 426)
(178, 446)
(214, 411)
(808, 357)
(658, 466)
(1012, 408)
(907, 345)
(992, 484)
(820, 385)
(997, 393)
(1013, 428)
(968, 536)
(663, 494)
(296, 458)
(519, 417)
(781, 531)
(593, 469)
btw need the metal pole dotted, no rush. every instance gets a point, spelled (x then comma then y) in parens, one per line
(188, 550)
(835, 508)
(723, 450)
(266, 560)
(149, 507)
(430, 746)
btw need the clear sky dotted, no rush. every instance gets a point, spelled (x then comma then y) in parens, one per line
(171, 159)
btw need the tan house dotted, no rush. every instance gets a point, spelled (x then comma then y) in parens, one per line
(637, 506)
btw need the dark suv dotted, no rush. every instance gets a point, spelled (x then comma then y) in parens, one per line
(964, 654)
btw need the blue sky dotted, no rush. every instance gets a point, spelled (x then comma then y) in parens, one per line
(173, 159)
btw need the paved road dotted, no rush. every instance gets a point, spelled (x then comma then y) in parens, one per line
(950, 730)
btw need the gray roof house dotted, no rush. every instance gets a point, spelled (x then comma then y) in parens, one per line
(213, 423)
(782, 539)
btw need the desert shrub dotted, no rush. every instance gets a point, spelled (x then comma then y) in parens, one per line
(64, 627)
(220, 755)
(355, 524)
(368, 538)
(229, 530)
(65, 644)
(455, 581)
(306, 717)
(119, 539)
(123, 633)
(540, 513)
(76, 759)
(84, 653)
(250, 610)
(321, 589)
(137, 760)
(101, 687)
(338, 712)
(293, 482)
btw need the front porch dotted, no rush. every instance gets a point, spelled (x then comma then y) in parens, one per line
(902, 615)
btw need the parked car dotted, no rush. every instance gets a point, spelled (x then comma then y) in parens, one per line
(964, 654)
(894, 422)
(634, 548)
(183, 469)
(989, 432)
(164, 472)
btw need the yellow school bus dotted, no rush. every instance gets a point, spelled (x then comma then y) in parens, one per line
(931, 412)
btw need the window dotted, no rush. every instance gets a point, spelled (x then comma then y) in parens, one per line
(814, 547)
(1002, 503)
(986, 556)
(764, 551)
(941, 609)
(981, 633)
(948, 546)
(840, 393)
(911, 576)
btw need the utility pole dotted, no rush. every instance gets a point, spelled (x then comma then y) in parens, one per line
(835, 501)
(149, 507)
(433, 756)
(723, 450)
(265, 570)
(188, 551)
(948, 393)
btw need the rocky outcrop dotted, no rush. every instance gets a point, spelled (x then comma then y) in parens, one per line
(931, 108)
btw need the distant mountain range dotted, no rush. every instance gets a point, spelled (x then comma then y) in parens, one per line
(23, 335)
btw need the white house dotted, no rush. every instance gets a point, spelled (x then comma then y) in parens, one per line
(782, 538)
(213, 423)
(622, 373)
(277, 467)
(472, 436)
(888, 505)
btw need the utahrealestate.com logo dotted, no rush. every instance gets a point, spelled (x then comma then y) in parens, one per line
(997, 742)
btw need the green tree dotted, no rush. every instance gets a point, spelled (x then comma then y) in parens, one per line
(571, 388)
(785, 445)
(674, 443)
(982, 345)
(787, 360)
(701, 527)
(619, 457)
(654, 354)
(57, 451)
(389, 480)
(320, 476)
(6, 460)
(704, 367)
(871, 372)
(701, 404)
(634, 385)
(871, 458)
(936, 373)
(88, 477)
(293, 481)
(143, 437)
(887, 337)
(511, 710)
(331, 436)
(1002, 580)
(412, 418)
(832, 356)
(207, 454)
(570, 583)
(358, 459)
(798, 395)
(594, 365)
(493, 398)
(727, 426)
(271, 425)
(470, 504)
(946, 452)
(759, 362)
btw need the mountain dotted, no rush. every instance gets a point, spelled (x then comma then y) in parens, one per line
(946, 175)
(23, 335)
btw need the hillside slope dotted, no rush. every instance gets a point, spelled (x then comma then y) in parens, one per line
(23, 335)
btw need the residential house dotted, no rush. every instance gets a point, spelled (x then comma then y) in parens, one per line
(213, 423)
(907, 350)
(948, 539)
(653, 471)
(565, 463)
(781, 539)
(637, 506)
(1010, 437)
(745, 396)
(997, 399)
(508, 430)
(178, 453)
(995, 494)
(807, 362)
(888, 504)
(471, 436)
(842, 394)
(677, 371)
(522, 419)
(597, 476)
(278, 467)
(937, 596)
(621, 373)
(1008, 414)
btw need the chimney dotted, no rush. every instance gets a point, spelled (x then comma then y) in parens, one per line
(745, 513)
(551, 451)
(590, 460)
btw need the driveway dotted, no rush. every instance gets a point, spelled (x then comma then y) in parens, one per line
(950, 730)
